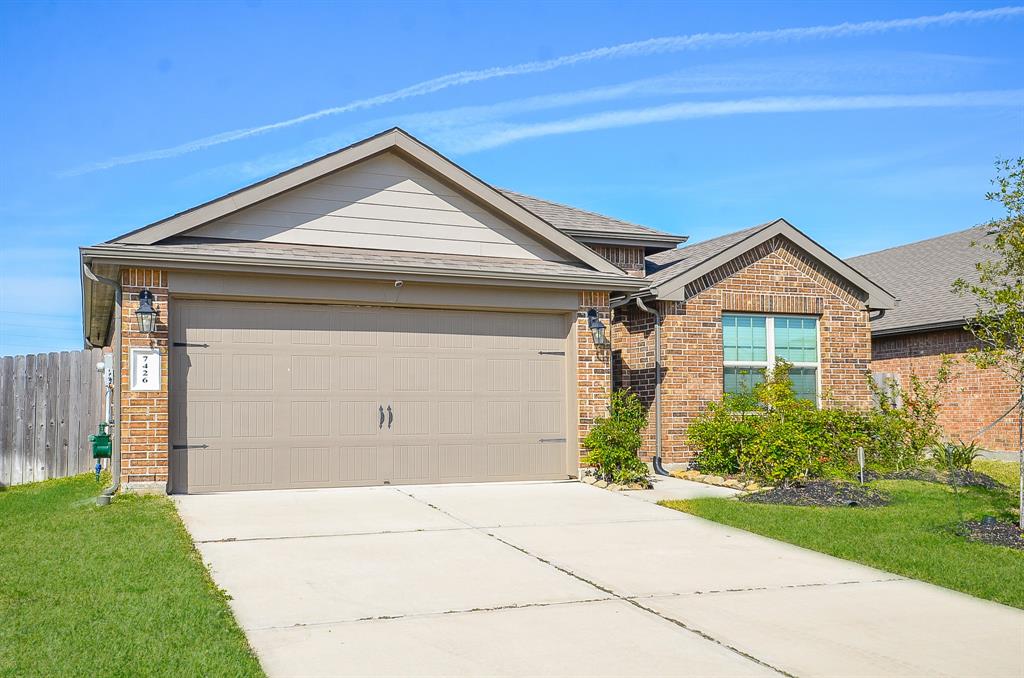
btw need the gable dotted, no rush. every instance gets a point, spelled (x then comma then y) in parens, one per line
(382, 203)
(678, 271)
(776, 277)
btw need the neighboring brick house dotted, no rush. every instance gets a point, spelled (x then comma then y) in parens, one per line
(381, 316)
(929, 323)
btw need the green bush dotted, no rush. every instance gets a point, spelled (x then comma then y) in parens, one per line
(776, 437)
(614, 441)
(956, 457)
(904, 423)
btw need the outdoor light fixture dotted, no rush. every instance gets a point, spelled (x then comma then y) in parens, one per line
(146, 313)
(597, 329)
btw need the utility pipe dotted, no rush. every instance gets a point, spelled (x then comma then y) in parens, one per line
(658, 468)
(115, 457)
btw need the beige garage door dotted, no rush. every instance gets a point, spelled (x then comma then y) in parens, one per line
(287, 396)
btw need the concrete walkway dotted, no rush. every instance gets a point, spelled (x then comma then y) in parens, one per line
(565, 579)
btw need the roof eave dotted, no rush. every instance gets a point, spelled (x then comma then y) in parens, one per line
(305, 266)
(923, 327)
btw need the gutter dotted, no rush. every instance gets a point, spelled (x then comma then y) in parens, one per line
(115, 458)
(658, 468)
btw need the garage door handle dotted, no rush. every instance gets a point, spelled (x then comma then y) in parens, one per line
(381, 424)
(391, 417)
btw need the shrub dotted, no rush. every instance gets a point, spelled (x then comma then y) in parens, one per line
(773, 436)
(614, 441)
(956, 457)
(722, 433)
(904, 423)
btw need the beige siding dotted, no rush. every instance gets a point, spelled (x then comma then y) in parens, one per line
(287, 395)
(382, 203)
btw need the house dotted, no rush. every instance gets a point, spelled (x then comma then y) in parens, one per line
(929, 323)
(381, 316)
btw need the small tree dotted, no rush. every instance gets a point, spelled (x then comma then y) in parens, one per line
(998, 324)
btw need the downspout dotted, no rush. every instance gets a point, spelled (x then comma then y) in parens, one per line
(115, 460)
(658, 468)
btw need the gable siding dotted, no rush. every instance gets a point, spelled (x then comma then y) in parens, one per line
(382, 203)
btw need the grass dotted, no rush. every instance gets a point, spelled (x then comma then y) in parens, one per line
(914, 537)
(1006, 472)
(114, 591)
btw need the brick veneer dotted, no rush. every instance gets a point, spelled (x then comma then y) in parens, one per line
(144, 434)
(774, 278)
(974, 397)
(593, 365)
(629, 259)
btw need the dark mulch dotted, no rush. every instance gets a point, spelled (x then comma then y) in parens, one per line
(996, 534)
(963, 478)
(819, 493)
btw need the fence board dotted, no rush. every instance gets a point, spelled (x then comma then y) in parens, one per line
(49, 404)
(20, 415)
(39, 427)
(63, 393)
(6, 417)
(52, 387)
(74, 409)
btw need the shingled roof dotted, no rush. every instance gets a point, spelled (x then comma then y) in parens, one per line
(665, 265)
(921, 275)
(582, 223)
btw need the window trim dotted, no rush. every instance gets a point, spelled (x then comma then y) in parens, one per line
(769, 328)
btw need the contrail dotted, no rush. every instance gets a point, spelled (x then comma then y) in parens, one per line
(649, 47)
(708, 109)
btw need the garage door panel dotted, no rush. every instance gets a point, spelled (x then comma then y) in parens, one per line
(286, 395)
(252, 372)
(309, 418)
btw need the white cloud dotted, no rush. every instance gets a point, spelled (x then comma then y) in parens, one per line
(633, 49)
(472, 139)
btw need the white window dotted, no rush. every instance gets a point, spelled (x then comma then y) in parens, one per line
(751, 343)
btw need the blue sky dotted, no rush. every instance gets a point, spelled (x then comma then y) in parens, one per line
(865, 124)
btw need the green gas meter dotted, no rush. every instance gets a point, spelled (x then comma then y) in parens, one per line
(101, 445)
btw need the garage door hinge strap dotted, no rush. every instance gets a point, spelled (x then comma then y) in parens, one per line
(185, 343)
(551, 352)
(552, 440)
(189, 447)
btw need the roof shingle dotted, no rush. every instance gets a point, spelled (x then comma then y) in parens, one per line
(665, 265)
(921, 276)
(574, 221)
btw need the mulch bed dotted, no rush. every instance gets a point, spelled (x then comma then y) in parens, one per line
(996, 534)
(820, 493)
(963, 478)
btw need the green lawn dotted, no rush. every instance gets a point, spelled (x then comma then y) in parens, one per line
(117, 590)
(1006, 472)
(914, 537)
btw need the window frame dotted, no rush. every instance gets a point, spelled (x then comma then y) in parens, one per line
(769, 329)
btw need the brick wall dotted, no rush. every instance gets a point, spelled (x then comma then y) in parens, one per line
(772, 279)
(974, 397)
(593, 380)
(629, 259)
(143, 425)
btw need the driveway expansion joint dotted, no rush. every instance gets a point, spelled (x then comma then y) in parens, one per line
(424, 615)
(612, 594)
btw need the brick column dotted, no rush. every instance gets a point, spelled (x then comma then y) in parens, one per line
(144, 435)
(593, 365)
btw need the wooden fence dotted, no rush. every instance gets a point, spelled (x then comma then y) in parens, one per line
(49, 404)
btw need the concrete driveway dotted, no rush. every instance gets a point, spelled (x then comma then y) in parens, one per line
(565, 579)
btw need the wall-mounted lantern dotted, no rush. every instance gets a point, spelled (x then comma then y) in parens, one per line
(597, 329)
(146, 313)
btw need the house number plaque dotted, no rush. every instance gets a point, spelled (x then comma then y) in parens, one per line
(144, 369)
